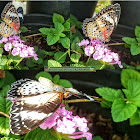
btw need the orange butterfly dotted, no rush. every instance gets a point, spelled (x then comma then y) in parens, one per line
(11, 22)
(102, 25)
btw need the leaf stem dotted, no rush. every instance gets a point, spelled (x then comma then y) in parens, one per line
(75, 52)
(4, 114)
(113, 44)
(33, 35)
(62, 55)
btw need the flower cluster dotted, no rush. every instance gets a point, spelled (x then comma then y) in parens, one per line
(99, 51)
(64, 122)
(16, 46)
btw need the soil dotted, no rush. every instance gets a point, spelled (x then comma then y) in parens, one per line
(98, 125)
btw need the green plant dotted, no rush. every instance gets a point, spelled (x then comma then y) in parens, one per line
(59, 34)
(125, 103)
(133, 43)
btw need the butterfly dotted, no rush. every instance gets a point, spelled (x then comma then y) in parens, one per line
(35, 101)
(103, 23)
(11, 20)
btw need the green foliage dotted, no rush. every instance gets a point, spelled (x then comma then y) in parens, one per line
(133, 43)
(125, 103)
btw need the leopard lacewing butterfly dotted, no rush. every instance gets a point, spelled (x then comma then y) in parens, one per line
(11, 20)
(103, 23)
(34, 102)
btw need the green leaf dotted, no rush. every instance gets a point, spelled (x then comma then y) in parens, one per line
(94, 63)
(4, 126)
(29, 63)
(135, 49)
(44, 74)
(53, 63)
(59, 27)
(9, 78)
(133, 92)
(45, 63)
(65, 83)
(65, 42)
(23, 38)
(60, 57)
(79, 64)
(40, 61)
(58, 18)
(39, 133)
(138, 39)
(109, 93)
(42, 53)
(52, 39)
(45, 31)
(5, 105)
(129, 40)
(137, 31)
(3, 60)
(67, 26)
(23, 29)
(56, 79)
(97, 138)
(3, 92)
(128, 74)
(75, 57)
(74, 45)
(121, 110)
(135, 119)
(62, 35)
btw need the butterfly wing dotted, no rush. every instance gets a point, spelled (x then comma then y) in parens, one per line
(10, 16)
(6, 30)
(27, 87)
(102, 25)
(29, 112)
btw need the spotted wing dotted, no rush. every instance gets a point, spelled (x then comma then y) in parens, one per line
(102, 25)
(6, 30)
(27, 87)
(10, 16)
(29, 112)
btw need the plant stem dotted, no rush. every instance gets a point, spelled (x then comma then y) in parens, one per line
(4, 114)
(102, 66)
(19, 61)
(33, 35)
(85, 100)
(75, 52)
(113, 44)
(62, 55)
(88, 59)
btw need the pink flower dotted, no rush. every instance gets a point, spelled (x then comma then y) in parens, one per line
(4, 40)
(8, 47)
(15, 44)
(100, 52)
(64, 122)
(89, 50)
(83, 42)
(16, 51)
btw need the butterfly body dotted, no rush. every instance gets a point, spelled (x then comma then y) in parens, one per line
(11, 21)
(35, 102)
(102, 25)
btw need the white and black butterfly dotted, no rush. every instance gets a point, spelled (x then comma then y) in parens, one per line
(103, 23)
(35, 102)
